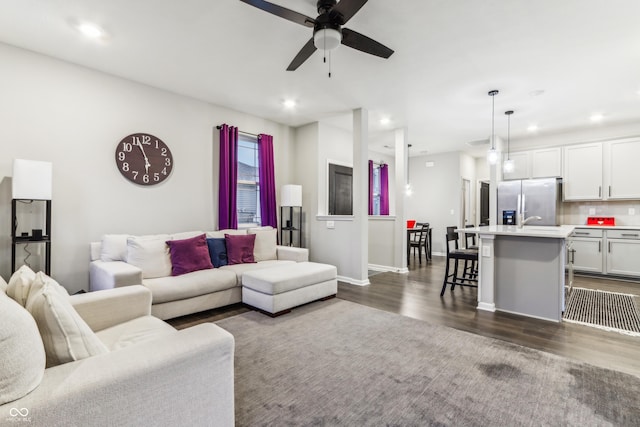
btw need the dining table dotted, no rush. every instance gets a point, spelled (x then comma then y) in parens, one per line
(410, 232)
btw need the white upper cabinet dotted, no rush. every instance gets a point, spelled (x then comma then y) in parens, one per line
(622, 169)
(546, 162)
(582, 178)
(520, 166)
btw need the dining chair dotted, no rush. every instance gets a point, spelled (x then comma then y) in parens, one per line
(456, 254)
(420, 241)
(470, 267)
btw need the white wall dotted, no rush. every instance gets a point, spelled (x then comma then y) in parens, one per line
(74, 117)
(436, 194)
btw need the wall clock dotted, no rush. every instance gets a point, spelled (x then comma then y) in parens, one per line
(144, 159)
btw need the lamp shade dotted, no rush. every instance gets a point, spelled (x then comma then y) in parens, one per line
(291, 195)
(32, 180)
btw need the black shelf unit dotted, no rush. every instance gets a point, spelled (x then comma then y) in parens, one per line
(45, 239)
(291, 225)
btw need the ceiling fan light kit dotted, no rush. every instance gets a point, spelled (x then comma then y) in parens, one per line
(327, 39)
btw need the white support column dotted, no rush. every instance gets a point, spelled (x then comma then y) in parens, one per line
(360, 240)
(486, 273)
(402, 179)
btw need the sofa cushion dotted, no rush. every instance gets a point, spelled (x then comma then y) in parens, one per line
(220, 233)
(134, 331)
(217, 251)
(265, 245)
(202, 282)
(240, 248)
(239, 269)
(189, 255)
(20, 284)
(150, 254)
(21, 351)
(66, 337)
(185, 235)
(37, 284)
(114, 247)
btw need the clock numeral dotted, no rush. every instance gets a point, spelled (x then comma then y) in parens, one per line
(127, 147)
(125, 167)
(135, 175)
(121, 155)
(164, 151)
(167, 161)
(145, 178)
(164, 171)
(156, 176)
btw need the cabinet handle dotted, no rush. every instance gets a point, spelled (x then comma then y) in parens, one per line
(599, 191)
(630, 234)
(609, 191)
(609, 244)
(599, 246)
(581, 233)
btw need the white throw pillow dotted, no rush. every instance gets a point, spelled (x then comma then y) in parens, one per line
(150, 254)
(65, 335)
(185, 235)
(114, 247)
(264, 248)
(3, 285)
(20, 284)
(37, 285)
(220, 233)
(21, 352)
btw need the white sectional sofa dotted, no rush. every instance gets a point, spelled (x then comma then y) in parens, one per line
(100, 358)
(122, 260)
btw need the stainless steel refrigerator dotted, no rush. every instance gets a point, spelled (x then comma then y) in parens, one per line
(540, 197)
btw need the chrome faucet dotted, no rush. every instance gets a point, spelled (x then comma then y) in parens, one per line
(523, 221)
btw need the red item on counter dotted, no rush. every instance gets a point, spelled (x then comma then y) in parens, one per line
(411, 223)
(601, 220)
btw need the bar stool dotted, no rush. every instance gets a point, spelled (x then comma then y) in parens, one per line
(458, 254)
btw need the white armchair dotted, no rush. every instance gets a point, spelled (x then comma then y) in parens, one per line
(152, 374)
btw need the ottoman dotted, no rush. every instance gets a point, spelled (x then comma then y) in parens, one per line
(276, 290)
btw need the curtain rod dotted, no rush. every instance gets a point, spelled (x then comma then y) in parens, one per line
(239, 131)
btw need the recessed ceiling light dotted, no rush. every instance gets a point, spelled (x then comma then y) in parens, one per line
(536, 92)
(389, 147)
(90, 30)
(385, 121)
(532, 128)
(596, 117)
(289, 103)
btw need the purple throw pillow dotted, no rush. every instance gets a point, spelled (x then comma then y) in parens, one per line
(189, 255)
(240, 248)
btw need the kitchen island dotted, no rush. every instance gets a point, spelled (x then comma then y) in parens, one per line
(522, 270)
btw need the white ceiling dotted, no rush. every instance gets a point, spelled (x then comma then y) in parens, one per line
(584, 55)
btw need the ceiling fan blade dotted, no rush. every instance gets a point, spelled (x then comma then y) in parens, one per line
(282, 12)
(357, 41)
(347, 8)
(304, 54)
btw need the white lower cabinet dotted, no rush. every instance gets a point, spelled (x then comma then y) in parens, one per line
(623, 252)
(615, 252)
(588, 255)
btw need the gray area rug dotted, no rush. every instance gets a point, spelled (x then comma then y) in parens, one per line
(340, 363)
(604, 310)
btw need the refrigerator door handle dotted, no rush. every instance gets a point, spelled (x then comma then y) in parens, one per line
(600, 191)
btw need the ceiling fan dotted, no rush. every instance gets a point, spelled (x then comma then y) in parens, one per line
(328, 32)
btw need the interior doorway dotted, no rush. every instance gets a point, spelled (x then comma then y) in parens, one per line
(467, 205)
(484, 203)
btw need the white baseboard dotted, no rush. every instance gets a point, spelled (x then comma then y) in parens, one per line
(486, 306)
(387, 268)
(353, 281)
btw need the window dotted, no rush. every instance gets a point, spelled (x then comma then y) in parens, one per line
(248, 191)
(376, 190)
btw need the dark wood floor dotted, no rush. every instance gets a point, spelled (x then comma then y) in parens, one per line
(417, 295)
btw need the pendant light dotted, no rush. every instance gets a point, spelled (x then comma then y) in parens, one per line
(508, 165)
(492, 154)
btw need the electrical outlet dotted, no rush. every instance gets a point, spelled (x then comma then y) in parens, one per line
(331, 224)
(592, 211)
(486, 251)
(632, 211)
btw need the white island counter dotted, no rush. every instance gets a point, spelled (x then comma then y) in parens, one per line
(522, 270)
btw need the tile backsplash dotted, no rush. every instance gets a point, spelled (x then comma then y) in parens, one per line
(576, 213)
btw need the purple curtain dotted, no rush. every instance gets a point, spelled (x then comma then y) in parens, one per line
(384, 190)
(370, 187)
(228, 178)
(268, 209)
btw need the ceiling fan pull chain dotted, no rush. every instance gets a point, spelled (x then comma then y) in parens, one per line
(329, 64)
